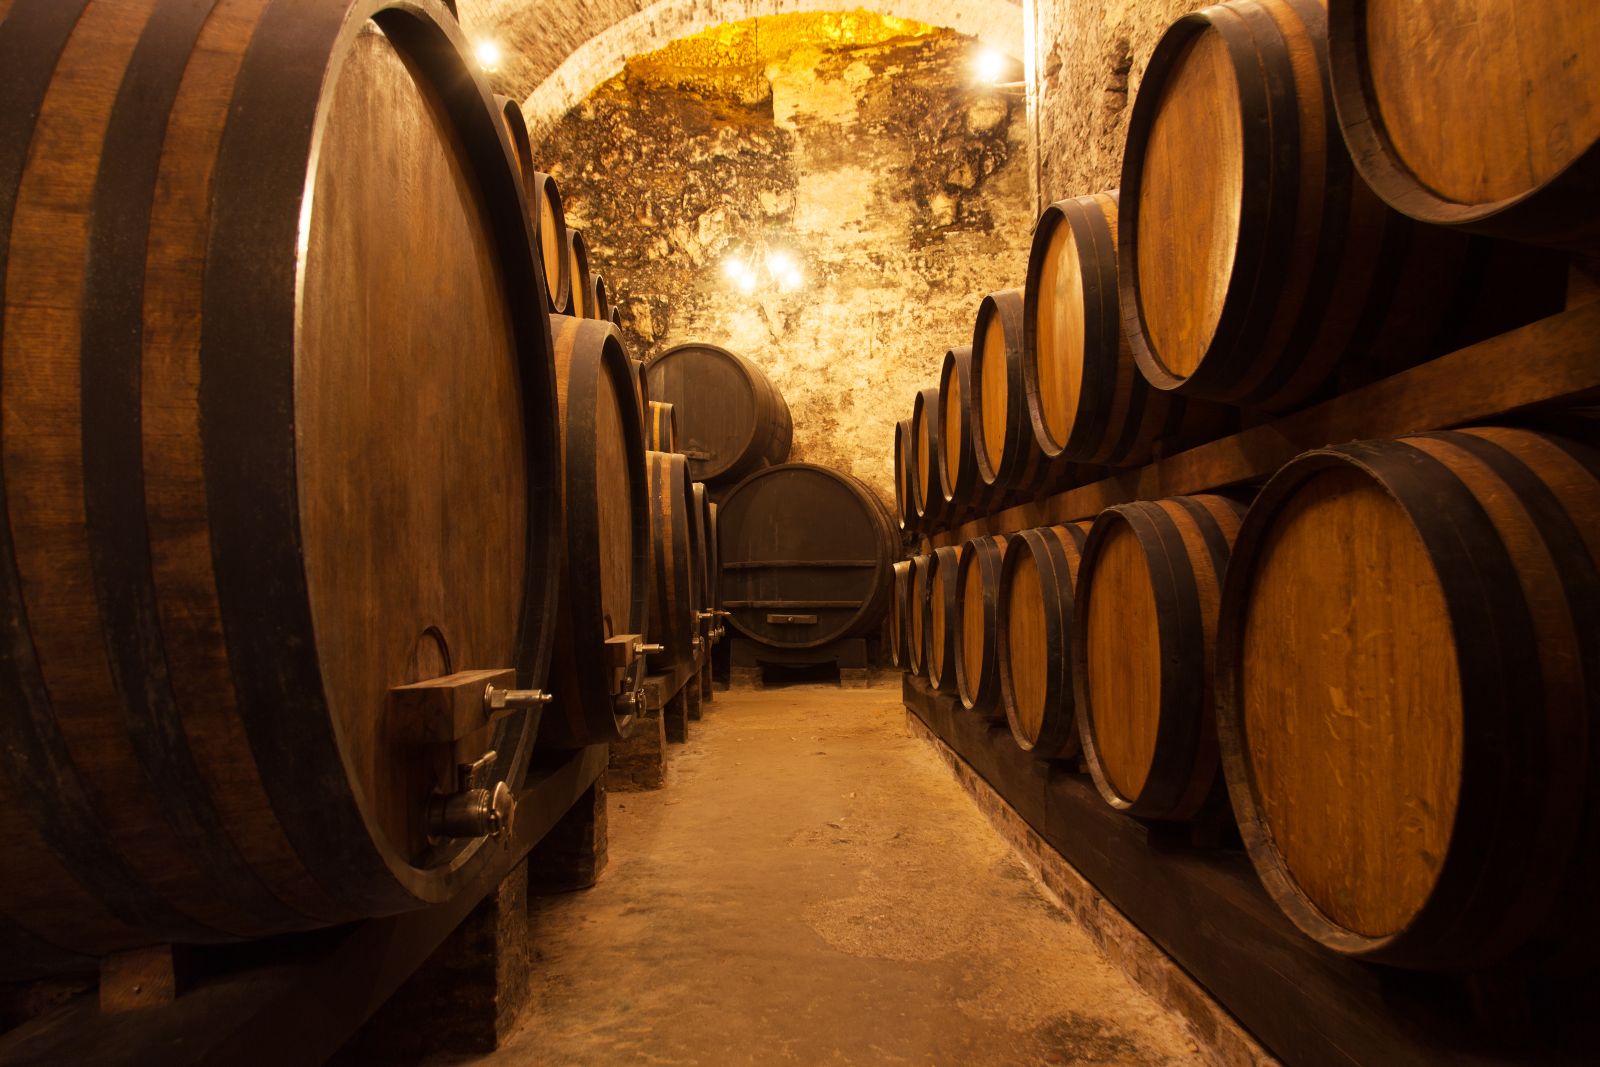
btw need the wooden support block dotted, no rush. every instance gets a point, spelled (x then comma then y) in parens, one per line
(855, 678)
(137, 979)
(640, 761)
(707, 690)
(744, 678)
(573, 853)
(694, 698)
(441, 710)
(675, 716)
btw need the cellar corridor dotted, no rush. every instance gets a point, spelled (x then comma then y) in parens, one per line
(814, 887)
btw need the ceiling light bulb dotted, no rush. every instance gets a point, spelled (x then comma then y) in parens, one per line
(779, 263)
(733, 268)
(793, 279)
(990, 65)
(747, 282)
(488, 55)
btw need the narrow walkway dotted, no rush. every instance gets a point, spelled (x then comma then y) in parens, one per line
(812, 887)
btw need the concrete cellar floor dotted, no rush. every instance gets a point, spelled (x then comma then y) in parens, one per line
(812, 887)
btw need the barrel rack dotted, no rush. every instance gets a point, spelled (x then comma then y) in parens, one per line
(1204, 907)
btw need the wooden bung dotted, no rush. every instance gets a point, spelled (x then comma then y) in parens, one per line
(732, 421)
(1408, 682)
(1280, 274)
(605, 510)
(1500, 138)
(1033, 627)
(807, 556)
(1144, 616)
(977, 593)
(1087, 401)
(943, 611)
(261, 355)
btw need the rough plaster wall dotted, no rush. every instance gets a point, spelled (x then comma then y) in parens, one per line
(1090, 55)
(902, 190)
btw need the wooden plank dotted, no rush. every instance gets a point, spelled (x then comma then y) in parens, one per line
(314, 990)
(755, 564)
(1552, 361)
(1207, 910)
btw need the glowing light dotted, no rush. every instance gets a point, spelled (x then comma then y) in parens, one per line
(990, 66)
(733, 267)
(747, 281)
(793, 279)
(488, 55)
(779, 264)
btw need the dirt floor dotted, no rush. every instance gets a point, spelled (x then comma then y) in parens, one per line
(812, 887)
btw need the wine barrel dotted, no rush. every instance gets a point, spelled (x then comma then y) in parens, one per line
(1408, 681)
(208, 601)
(1009, 461)
(1251, 284)
(943, 612)
(550, 231)
(600, 298)
(714, 550)
(1143, 622)
(674, 596)
(928, 499)
(977, 590)
(1086, 400)
(580, 284)
(806, 556)
(964, 491)
(606, 544)
(616, 316)
(1450, 128)
(662, 435)
(916, 620)
(700, 506)
(897, 631)
(732, 419)
(517, 130)
(1033, 627)
(904, 506)
(641, 392)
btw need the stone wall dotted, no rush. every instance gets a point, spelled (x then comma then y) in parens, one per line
(856, 144)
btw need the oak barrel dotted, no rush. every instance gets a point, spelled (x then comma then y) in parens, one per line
(662, 430)
(599, 298)
(928, 500)
(240, 427)
(674, 594)
(1477, 113)
(605, 509)
(1253, 260)
(904, 506)
(641, 392)
(1408, 681)
(943, 612)
(700, 505)
(1033, 628)
(916, 620)
(580, 285)
(977, 592)
(1009, 460)
(1086, 399)
(732, 420)
(517, 130)
(1143, 626)
(806, 556)
(964, 491)
(896, 632)
(550, 232)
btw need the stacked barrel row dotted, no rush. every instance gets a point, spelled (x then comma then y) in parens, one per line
(1245, 265)
(1385, 664)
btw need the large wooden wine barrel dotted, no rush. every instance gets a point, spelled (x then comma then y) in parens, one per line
(1009, 460)
(1143, 626)
(806, 556)
(1033, 627)
(943, 615)
(928, 499)
(1408, 679)
(964, 491)
(674, 596)
(579, 285)
(1252, 258)
(916, 619)
(732, 421)
(700, 507)
(517, 130)
(1479, 113)
(262, 354)
(550, 232)
(977, 591)
(605, 507)
(896, 634)
(714, 554)
(904, 507)
(1086, 400)
(661, 432)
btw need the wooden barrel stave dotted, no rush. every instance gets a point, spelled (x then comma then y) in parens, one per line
(1033, 627)
(1143, 627)
(942, 612)
(977, 592)
(732, 420)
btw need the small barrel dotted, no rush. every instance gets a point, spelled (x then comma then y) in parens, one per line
(580, 292)
(904, 503)
(732, 420)
(964, 491)
(605, 509)
(599, 298)
(550, 232)
(896, 635)
(1033, 628)
(806, 556)
(977, 659)
(517, 131)
(1475, 113)
(1087, 401)
(916, 619)
(1009, 460)
(943, 615)
(674, 595)
(928, 499)
(662, 435)
(1144, 617)
(1408, 683)
(616, 316)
